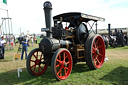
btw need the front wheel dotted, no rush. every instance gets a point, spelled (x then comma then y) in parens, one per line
(36, 64)
(61, 64)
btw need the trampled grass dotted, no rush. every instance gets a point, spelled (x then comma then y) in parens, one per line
(113, 72)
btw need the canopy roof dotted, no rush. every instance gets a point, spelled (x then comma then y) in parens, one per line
(67, 17)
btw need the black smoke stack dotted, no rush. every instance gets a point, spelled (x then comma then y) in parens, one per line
(48, 17)
(109, 30)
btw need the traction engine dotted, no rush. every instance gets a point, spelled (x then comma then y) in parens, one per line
(69, 41)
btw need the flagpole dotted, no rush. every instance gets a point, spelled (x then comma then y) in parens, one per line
(8, 22)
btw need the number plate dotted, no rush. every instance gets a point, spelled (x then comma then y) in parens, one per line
(44, 29)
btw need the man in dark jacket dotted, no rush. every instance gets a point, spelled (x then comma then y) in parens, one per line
(24, 47)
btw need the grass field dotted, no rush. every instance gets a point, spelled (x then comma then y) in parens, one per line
(113, 72)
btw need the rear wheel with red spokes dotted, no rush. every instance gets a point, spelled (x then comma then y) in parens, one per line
(95, 51)
(35, 63)
(61, 64)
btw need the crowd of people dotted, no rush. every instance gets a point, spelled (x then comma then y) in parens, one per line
(8, 44)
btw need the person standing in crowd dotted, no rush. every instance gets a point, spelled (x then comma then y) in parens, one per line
(35, 40)
(32, 41)
(2, 45)
(24, 47)
(14, 40)
(12, 43)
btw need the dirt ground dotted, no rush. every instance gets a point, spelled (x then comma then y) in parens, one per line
(115, 53)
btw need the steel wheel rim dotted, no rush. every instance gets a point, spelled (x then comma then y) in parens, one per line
(98, 52)
(63, 65)
(37, 65)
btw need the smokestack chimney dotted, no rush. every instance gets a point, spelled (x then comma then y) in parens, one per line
(109, 30)
(48, 17)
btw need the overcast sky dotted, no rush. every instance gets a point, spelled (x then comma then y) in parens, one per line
(29, 14)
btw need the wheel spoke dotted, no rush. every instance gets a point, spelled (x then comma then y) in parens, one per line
(94, 44)
(100, 46)
(59, 71)
(97, 60)
(67, 62)
(41, 57)
(64, 56)
(93, 52)
(94, 62)
(94, 56)
(97, 41)
(38, 69)
(100, 54)
(94, 59)
(32, 60)
(65, 71)
(66, 68)
(93, 48)
(57, 65)
(33, 66)
(59, 57)
(58, 60)
(35, 56)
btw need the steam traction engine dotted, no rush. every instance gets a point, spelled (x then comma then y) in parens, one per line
(64, 46)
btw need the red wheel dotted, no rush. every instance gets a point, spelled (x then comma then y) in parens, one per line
(95, 51)
(61, 64)
(35, 62)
